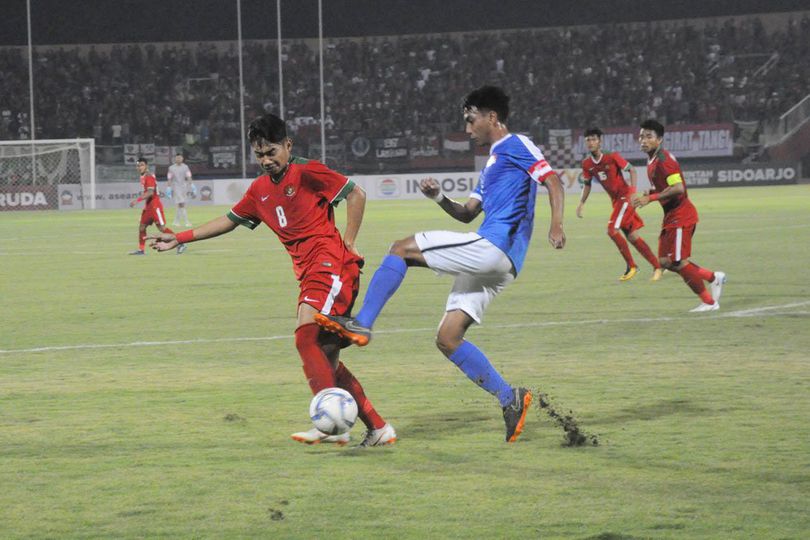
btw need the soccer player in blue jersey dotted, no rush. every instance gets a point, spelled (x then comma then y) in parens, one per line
(483, 262)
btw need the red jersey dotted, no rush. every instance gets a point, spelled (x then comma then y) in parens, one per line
(608, 170)
(663, 171)
(299, 209)
(149, 181)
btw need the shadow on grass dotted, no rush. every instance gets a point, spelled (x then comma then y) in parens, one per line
(651, 411)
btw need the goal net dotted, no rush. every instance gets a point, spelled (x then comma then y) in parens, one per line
(34, 175)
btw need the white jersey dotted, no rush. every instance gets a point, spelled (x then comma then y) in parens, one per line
(178, 175)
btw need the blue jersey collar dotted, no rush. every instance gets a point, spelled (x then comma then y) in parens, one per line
(499, 141)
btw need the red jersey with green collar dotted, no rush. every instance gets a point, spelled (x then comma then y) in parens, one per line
(663, 171)
(608, 170)
(149, 181)
(299, 208)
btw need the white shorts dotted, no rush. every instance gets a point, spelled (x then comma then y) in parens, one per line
(179, 196)
(482, 270)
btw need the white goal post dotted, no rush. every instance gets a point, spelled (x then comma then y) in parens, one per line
(40, 166)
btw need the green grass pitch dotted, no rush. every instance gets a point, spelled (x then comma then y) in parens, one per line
(153, 397)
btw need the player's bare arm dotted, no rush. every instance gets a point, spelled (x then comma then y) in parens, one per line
(215, 227)
(556, 199)
(145, 196)
(633, 178)
(643, 199)
(355, 207)
(586, 190)
(462, 212)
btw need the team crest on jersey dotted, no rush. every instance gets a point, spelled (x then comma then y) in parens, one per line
(289, 191)
(491, 161)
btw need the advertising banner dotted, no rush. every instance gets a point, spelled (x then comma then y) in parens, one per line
(684, 141)
(406, 186)
(28, 198)
(743, 174)
(119, 194)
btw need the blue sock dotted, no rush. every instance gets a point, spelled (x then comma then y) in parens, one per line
(383, 285)
(476, 366)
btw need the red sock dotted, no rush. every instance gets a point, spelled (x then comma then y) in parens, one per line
(365, 409)
(620, 242)
(704, 273)
(691, 274)
(646, 252)
(141, 239)
(316, 365)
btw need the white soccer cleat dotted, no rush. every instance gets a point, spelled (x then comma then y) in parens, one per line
(716, 286)
(379, 437)
(313, 436)
(706, 307)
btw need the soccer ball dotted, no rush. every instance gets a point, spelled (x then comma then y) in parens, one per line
(333, 411)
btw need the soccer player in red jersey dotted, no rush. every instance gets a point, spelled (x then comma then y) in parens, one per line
(608, 168)
(680, 218)
(152, 210)
(296, 199)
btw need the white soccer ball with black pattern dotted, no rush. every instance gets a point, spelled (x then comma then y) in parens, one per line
(333, 411)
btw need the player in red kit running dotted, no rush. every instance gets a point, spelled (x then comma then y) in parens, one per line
(608, 168)
(296, 199)
(680, 218)
(152, 210)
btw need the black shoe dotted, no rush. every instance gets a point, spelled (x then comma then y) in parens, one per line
(345, 327)
(514, 414)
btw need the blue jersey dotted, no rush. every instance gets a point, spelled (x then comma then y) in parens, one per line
(507, 189)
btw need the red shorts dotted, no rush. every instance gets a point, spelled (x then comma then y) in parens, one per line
(153, 213)
(676, 243)
(331, 293)
(624, 217)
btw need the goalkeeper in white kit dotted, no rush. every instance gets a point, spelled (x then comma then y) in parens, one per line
(179, 179)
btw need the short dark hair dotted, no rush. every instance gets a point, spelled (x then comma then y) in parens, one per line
(593, 131)
(657, 127)
(179, 154)
(489, 98)
(268, 127)
(143, 160)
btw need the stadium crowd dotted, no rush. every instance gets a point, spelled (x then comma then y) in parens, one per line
(675, 71)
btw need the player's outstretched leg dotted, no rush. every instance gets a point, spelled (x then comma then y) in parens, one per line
(384, 283)
(477, 367)
(621, 243)
(514, 414)
(642, 247)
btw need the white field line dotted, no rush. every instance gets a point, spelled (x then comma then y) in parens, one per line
(765, 311)
(11, 240)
